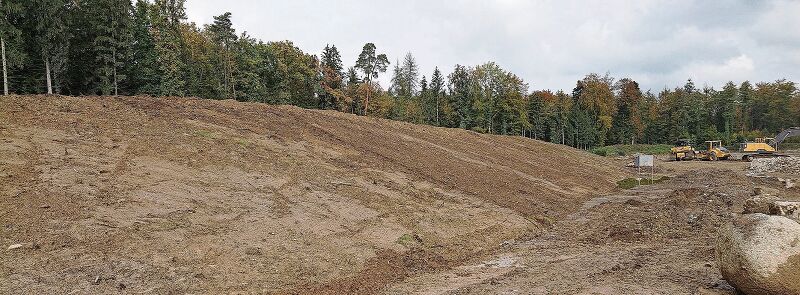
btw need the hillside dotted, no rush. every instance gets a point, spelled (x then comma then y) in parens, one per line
(201, 196)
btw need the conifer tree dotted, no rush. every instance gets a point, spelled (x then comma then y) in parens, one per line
(371, 65)
(437, 93)
(167, 18)
(224, 36)
(50, 36)
(143, 74)
(112, 43)
(10, 39)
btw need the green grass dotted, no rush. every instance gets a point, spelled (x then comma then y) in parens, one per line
(631, 149)
(205, 134)
(629, 183)
(406, 240)
(243, 142)
(792, 146)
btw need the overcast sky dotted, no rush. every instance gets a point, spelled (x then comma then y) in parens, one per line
(550, 44)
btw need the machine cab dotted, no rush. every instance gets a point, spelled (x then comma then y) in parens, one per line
(715, 145)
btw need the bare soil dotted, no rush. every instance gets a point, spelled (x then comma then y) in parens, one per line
(139, 194)
(170, 195)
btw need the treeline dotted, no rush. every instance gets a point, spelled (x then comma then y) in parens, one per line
(148, 48)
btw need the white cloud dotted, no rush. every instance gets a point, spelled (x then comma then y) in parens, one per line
(736, 68)
(550, 44)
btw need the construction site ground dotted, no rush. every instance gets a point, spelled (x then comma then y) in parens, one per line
(140, 195)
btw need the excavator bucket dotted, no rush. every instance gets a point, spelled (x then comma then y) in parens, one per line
(788, 133)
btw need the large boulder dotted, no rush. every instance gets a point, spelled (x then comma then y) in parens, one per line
(760, 254)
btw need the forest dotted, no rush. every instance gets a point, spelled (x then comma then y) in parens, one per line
(119, 47)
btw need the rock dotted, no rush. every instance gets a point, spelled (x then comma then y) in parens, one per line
(15, 246)
(759, 204)
(788, 182)
(757, 191)
(786, 209)
(692, 219)
(760, 254)
(252, 251)
(789, 165)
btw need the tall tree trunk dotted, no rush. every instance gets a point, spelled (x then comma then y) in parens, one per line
(5, 70)
(233, 87)
(47, 71)
(114, 58)
(437, 110)
(366, 102)
(230, 76)
(225, 73)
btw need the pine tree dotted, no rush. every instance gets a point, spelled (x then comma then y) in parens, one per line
(143, 74)
(622, 129)
(353, 82)
(405, 80)
(562, 131)
(10, 39)
(371, 65)
(167, 18)
(332, 59)
(112, 43)
(459, 85)
(331, 67)
(51, 40)
(745, 99)
(397, 79)
(426, 101)
(224, 36)
(437, 93)
(726, 114)
(537, 114)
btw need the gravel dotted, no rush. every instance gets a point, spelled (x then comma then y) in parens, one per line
(790, 165)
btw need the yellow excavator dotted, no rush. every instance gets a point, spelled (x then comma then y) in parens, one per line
(767, 147)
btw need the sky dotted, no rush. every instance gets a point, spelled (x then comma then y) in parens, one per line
(550, 44)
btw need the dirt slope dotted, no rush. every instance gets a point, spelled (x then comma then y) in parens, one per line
(139, 194)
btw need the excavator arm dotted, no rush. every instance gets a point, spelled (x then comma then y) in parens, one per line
(791, 132)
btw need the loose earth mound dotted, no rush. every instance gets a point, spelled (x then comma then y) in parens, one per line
(199, 196)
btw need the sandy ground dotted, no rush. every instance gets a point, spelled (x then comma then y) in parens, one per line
(143, 195)
(138, 195)
(648, 240)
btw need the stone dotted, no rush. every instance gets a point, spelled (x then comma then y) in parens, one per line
(787, 182)
(760, 254)
(786, 209)
(759, 204)
(788, 165)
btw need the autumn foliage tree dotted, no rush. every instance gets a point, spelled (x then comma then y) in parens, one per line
(149, 48)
